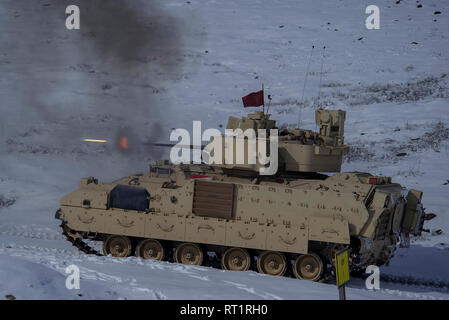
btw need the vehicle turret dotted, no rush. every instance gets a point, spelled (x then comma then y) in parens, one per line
(299, 150)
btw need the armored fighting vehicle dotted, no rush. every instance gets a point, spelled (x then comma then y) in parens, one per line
(293, 220)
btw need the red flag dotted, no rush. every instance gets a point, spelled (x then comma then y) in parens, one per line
(254, 99)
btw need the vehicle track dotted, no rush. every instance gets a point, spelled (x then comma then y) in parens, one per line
(77, 241)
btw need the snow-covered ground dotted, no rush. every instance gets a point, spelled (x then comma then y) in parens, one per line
(194, 60)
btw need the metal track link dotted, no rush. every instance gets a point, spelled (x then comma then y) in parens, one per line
(77, 241)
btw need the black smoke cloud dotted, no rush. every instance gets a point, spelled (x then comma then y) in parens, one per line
(115, 65)
(123, 32)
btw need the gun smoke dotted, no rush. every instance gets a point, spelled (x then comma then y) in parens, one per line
(69, 79)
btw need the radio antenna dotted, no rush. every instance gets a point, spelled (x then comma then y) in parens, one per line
(321, 77)
(304, 87)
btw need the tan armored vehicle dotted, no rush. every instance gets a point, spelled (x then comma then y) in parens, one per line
(293, 220)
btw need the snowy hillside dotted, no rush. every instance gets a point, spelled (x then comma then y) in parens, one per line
(145, 67)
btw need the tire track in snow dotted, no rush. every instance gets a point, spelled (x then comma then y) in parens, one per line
(261, 294)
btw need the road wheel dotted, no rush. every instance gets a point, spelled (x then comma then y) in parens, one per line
(117, 246)
(150, 249)
(189, 253)
(272, 263)
(236, 259)
(308, 267)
